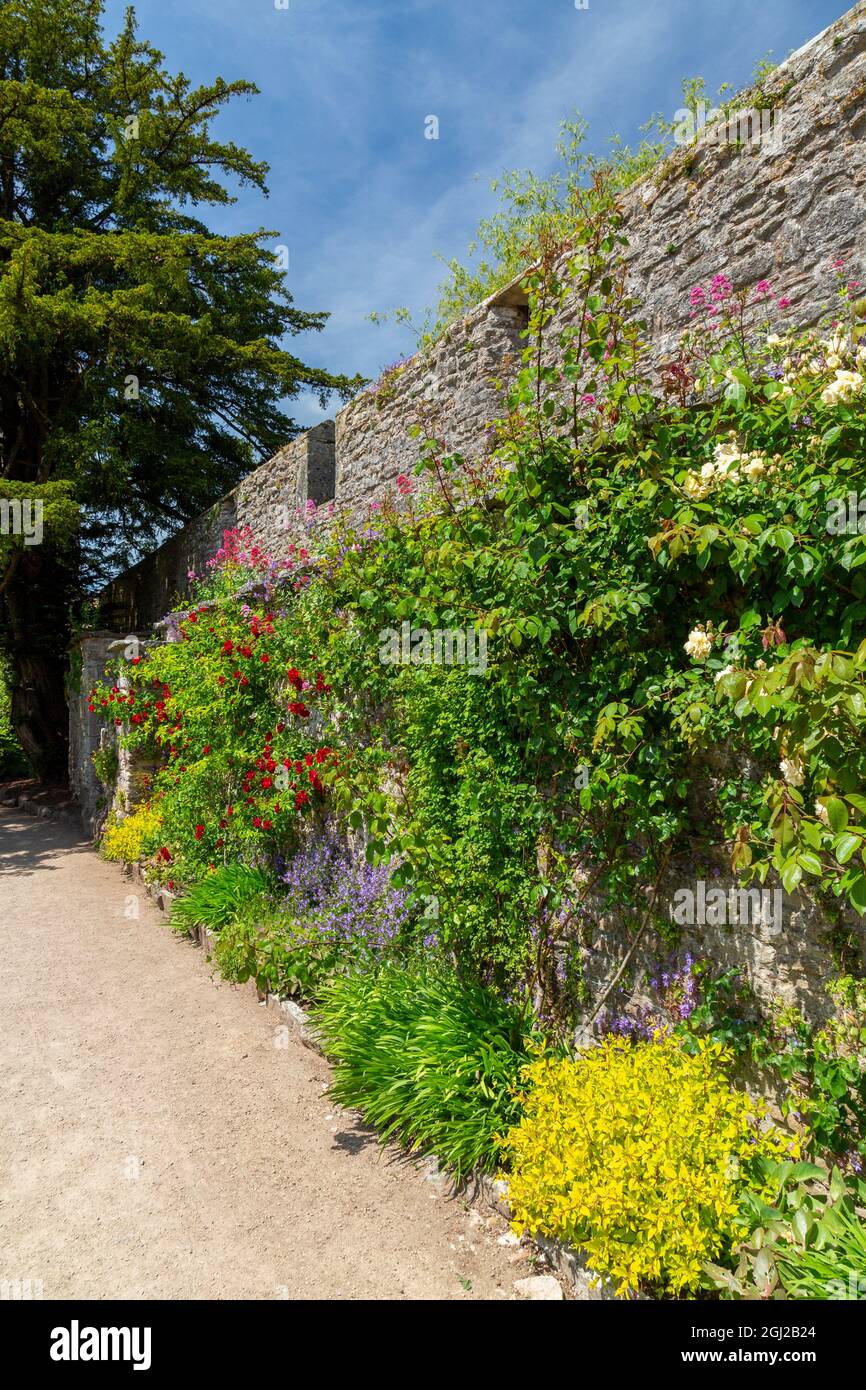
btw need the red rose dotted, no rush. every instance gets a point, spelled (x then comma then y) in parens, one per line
(300, 798)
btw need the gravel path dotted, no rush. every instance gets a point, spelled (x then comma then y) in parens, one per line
(157, 1141)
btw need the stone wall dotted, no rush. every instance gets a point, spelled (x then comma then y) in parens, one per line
(781, 210)
(271, 501)
(452, 391)
(786, 959)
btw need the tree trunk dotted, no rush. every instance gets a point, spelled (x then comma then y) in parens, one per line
(35, 637)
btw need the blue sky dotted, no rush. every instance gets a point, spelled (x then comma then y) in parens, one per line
(361, 199)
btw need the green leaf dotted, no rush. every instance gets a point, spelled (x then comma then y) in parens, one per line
(845, 846)
(837, 812)
(811, 863)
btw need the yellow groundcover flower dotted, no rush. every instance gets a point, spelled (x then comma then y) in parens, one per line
(126, 839)
(632, 1153)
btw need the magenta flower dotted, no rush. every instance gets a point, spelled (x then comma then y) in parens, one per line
(720, 288)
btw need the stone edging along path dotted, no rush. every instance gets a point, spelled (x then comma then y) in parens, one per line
(568, 1264)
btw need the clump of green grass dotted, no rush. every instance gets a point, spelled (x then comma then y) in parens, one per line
(220, 898)
(428, 1060)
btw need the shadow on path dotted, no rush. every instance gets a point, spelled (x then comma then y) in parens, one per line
(23, 852)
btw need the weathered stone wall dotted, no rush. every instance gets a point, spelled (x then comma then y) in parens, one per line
(88, 732)
(271, 501)
(784, 958)
(452, 391)
(780, 209)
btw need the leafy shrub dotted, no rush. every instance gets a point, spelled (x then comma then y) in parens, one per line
(805, 1238)
(339, 914)
(824, 1071)
(816, 1074)
(226, 714)
(132, 838)
(428, 1060)
(631, 1153)
(13, 762)
(221, 897)
(105, 763)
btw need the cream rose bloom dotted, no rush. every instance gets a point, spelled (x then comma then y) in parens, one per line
(843, 388)
(696, 486)
(793, 771)
(699, 644)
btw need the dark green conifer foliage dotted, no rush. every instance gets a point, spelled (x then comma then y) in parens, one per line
(141, 366)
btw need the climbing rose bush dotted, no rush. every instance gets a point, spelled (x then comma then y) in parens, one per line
(229, 720)
(637, 1153)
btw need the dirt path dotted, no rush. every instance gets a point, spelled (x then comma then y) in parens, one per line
(156, 1142)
